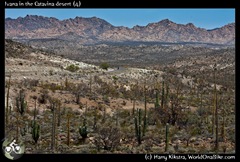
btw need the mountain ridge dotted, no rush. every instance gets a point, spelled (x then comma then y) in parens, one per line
(94, 30)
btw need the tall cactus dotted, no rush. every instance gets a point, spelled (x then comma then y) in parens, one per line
(53, 103)
(134, 103)
(216, 110)
(83, 129)
(167, 93)
(177, 95)
(207, 114)
(35, 131)
(35, 108)
(8, 89)
(17, 125)
(116, 116)
(95, 119)
(90, 85)
(35, 126)
(68, 129)
(223, 125)
(139, 128)
(174, 106)
(77, 95)
(66, 83)
(145, 111)
(86, 110)
(69, 116)
(21, 103)
(163, 91)
(104, 114)
(59, 114)
(138, 120)
(213, 116)
(167, 137)
(157, 105)
(145, 123)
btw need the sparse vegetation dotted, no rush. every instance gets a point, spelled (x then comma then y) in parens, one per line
(178, 107)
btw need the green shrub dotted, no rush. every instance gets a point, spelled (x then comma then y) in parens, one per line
(104, 66)
(114, 78)
(72, 68)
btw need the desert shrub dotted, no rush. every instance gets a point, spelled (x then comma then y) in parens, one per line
(124, 113)
(72, 68)
(108, 137)
(43, 96)
(104, 65)
(106, 99)
(30, 82)
(51, 72)
(114, 78)
(52, 86)
(201, 111)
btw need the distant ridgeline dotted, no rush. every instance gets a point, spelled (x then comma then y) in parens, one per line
(95, 30)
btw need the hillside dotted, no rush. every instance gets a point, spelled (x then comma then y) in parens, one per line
(70, 106)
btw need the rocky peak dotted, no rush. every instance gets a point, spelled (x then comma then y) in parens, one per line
(165, 22)
(190, 25)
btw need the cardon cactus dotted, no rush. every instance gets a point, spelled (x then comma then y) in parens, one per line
(21, 103)
(167, 137)
(35, 131)
(157, 105)
(163, 92)
(216, 111)
(7, 113)
(83, 130)
(139, 128)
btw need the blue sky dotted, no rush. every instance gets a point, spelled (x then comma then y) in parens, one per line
(204, 18)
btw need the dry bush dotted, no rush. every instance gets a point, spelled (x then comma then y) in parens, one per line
(108, 137)
(43, 96)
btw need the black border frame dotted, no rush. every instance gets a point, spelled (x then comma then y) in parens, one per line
(117, 4)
